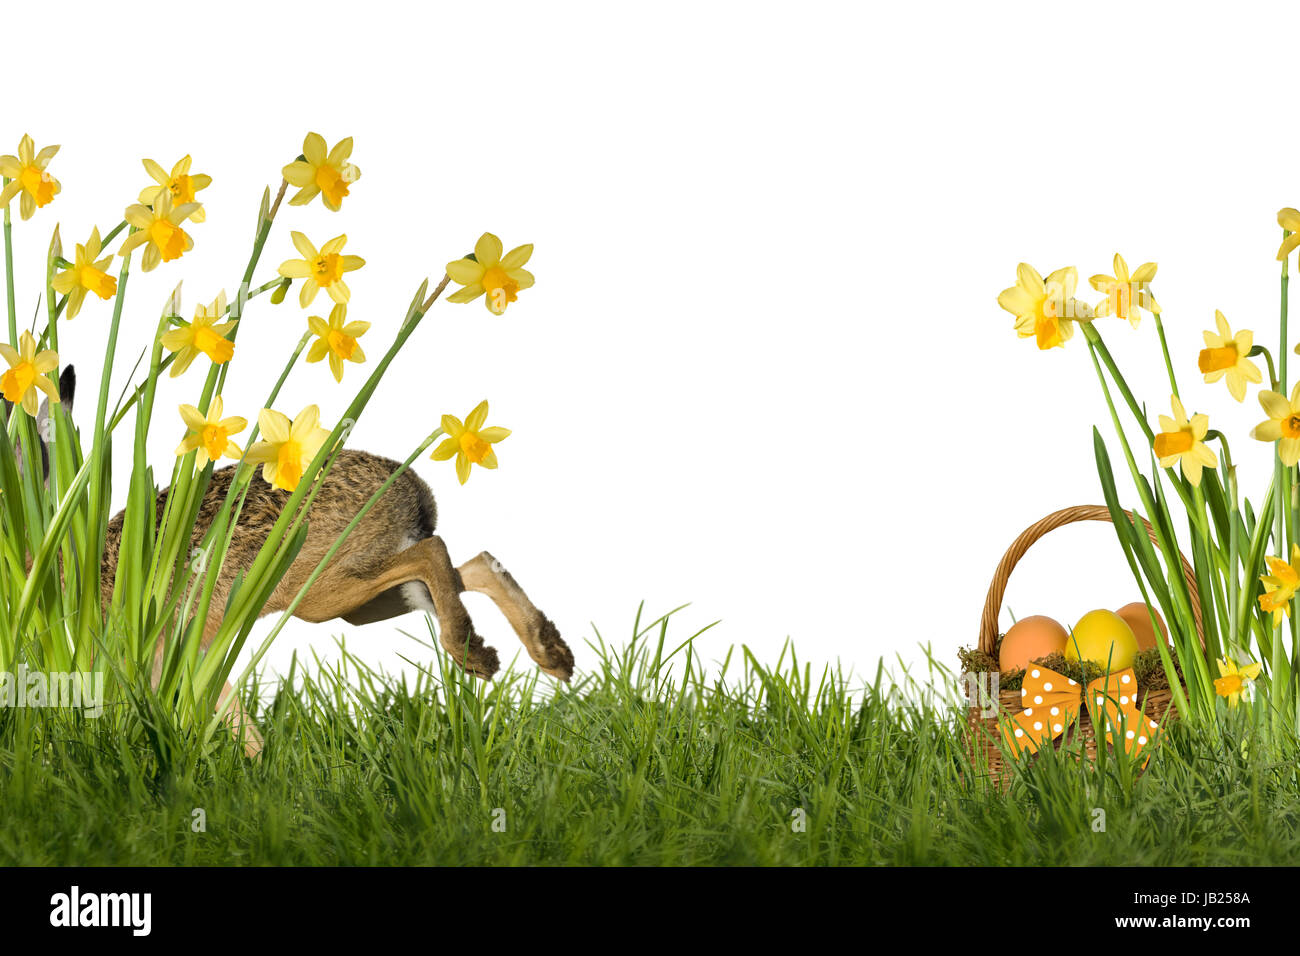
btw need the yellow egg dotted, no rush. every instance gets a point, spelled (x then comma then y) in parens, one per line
(1029, 639)
(1102, 637)
(1135, 616)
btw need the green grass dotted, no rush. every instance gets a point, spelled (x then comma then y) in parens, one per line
(642, 761)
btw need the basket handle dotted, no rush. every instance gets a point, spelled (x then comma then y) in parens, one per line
(993, 604)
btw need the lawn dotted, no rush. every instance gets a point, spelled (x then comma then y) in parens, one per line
(643, 760)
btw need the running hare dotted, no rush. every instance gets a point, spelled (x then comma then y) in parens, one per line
(392, 563)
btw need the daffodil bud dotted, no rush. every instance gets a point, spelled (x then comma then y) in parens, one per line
(278, 293)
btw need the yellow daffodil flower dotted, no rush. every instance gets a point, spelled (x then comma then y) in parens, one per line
(1045, 309)
(1280, 586)
(1183, 441)
(470, 442)
(204, 335)
(319, 173)
(1234, 679)
(1283, 425)
(289, 446)
(1226, 354)
(27, 369)
(86, 274)
(1126, 292)
(337, 340)
(321, 269)
(210, 433)
(27, 170)
(160, 229)
(179, 184)
(1288, 219)
(499, 277)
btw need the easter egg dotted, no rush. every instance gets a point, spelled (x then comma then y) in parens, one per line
(1029, 639)
(1136, 617)
(1102, 637)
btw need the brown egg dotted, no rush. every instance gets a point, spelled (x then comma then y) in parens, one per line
(1029, 639)
(1135, 616)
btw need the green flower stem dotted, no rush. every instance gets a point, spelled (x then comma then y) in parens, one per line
(1234, 578)
(1256, 546)
(9, 273)
(1282, 515)
(1164, 347)
(1283, 349)
(51, 306)
(112, 234)
(1268, 357)
(1094, 339)
(216, 379)
(1230, 484)
(1193, 664)
(91, 614)
(1207, 554)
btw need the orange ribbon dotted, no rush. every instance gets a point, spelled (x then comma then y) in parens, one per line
(1051, 703)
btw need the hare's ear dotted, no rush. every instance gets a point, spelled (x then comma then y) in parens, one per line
(67, 388)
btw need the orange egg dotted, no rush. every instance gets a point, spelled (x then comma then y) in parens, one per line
(1029, 639)
(1135, 616)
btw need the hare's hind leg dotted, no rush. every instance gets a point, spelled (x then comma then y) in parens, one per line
(485, 575)
(421, 576)
(241, 725)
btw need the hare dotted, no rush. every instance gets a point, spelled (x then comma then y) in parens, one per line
(392, 563)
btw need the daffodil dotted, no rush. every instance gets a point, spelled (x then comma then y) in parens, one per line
(1283, 425)
(1183, 441)
(210, 433)
(27, 170)
(1126, 292)
(1280, 586)
(337, 340)
(26, 374)
(1045, 309)
(322, 173)
(179, 184)
(1233, 679)
(87, 274)
(289, 446)
(470, 442)
(322, 269)
(204, 335)
(1288, 219)
(160, 228)
(1226, 354)
(489, 272)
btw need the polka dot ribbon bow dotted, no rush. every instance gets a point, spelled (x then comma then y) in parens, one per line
(1051, 703)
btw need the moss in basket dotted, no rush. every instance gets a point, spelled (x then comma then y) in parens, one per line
(1147, 667)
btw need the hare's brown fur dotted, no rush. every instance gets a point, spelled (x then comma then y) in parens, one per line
(390, 564)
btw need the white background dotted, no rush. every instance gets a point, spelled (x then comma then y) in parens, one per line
(763, 369)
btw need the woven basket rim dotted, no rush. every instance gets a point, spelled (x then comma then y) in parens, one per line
(988, 633)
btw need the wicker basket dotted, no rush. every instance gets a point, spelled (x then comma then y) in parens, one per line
(986, 755)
